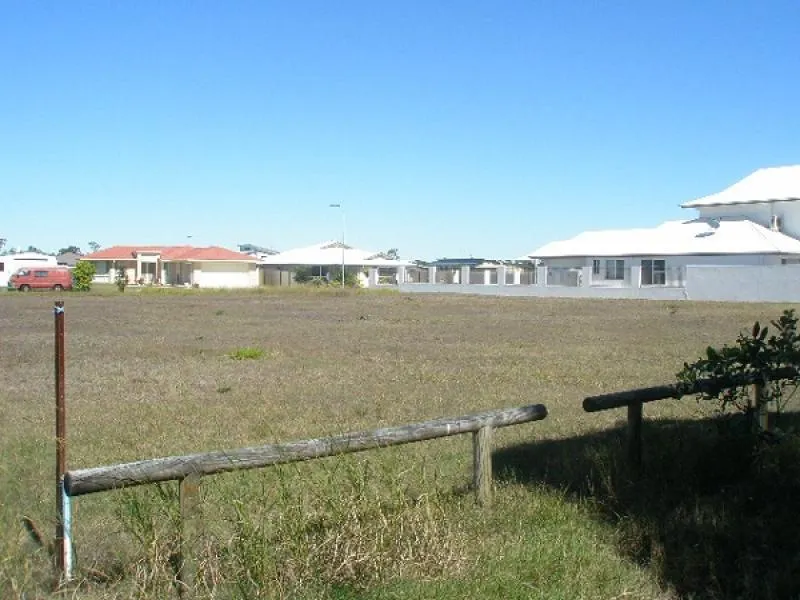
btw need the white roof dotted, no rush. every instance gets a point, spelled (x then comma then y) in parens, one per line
(34, 256)
(330, 253)
(701, 236)
(765, 185)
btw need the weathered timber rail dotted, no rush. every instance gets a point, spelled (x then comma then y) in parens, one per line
(190, 469)
(635, 399)
(98, 479)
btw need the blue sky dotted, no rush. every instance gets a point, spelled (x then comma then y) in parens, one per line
(443, 128)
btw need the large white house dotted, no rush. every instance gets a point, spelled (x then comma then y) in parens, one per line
(755, 222)
(744, 245)
(372, 268)
(769, 197)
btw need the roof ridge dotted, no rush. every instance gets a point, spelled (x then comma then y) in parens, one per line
(762, 231)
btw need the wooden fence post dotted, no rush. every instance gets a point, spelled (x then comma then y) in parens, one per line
(635, 436)
(763, 421)
(190, 534)
(482, 455)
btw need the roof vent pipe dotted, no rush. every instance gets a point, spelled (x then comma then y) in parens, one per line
(775, 223)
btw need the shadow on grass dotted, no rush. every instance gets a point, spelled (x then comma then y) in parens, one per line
(713, 512)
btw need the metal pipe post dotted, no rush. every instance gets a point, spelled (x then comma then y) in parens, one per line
(63, 520)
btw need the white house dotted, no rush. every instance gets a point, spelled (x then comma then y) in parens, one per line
(373, 268)
(10, 263)
(755, 222)
(208, 267)
(769, 197)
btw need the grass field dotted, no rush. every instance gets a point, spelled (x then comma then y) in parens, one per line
(152, 374)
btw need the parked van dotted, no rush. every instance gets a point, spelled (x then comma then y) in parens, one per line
(11, 263)
(41, 278)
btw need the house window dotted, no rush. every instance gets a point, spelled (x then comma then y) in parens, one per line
(615, 269)
(101, 267)
(654, 272)
(596, 266)
(2, 267)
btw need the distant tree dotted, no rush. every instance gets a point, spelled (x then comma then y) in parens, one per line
(94, 246)
(34, 249)
(2, 243)
(392, 253)
(70, 250)
(82, 275)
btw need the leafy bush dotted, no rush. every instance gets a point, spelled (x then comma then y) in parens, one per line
(121, 279)
(332, 277)
(303, 275)
(350, 277)
(82, 275)
(755, 358)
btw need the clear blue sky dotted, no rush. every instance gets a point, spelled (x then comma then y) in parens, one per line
(443, 128)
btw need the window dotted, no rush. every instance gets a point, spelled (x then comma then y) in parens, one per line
(654, 272)
(2, 267)
(40, 273)
(615, 269)
(101, 267)
(596, 267)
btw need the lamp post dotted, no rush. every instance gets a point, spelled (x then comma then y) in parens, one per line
(341, 209)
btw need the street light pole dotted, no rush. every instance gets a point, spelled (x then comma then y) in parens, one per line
(341, 209)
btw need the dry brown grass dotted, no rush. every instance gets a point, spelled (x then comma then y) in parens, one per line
(152, 375)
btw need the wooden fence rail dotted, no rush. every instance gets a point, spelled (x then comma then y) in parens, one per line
(635, 399)
(189, 469)
(98, 479)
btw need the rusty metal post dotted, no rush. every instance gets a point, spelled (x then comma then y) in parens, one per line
(63, 521)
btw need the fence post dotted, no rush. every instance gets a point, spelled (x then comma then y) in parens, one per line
(764, 423)
(482, 456)
(635, 436)
(63, 542)
(189, 490)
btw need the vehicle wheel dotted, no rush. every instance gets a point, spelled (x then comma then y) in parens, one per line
(57, 287)
(25, 288)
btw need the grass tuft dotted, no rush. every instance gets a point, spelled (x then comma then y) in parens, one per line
(246, 354)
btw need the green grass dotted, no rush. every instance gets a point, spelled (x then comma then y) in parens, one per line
(246, 354)
(149, 374)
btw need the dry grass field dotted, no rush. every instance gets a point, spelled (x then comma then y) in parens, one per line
(154, 374)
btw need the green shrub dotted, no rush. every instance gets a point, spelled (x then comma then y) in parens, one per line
(332, 277)
(755, 357)
(350, 277)
(304, 275)
(82, 275)
(121, 279)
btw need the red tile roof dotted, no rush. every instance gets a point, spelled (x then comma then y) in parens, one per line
(171, 253)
